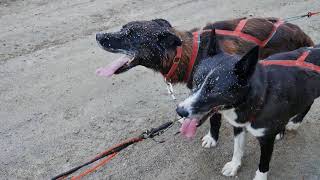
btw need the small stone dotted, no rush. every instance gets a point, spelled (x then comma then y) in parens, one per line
(76, 131)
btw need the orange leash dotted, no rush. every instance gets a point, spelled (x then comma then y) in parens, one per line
(109, 153)
(94, 168)
(132, 140)
(113, 151)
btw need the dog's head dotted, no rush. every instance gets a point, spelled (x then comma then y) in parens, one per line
(146, 43)
(221, 85)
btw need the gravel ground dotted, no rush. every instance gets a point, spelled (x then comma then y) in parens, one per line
(55, 113)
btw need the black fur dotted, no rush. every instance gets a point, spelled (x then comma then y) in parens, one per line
(215, 124)
(264, 96)
(153, 44)
(146, 41)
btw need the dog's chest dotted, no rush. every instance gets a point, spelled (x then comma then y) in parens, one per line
(231, 116)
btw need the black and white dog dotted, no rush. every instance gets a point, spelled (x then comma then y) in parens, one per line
(260, 98)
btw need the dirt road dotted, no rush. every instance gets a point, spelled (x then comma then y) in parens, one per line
(55, 113)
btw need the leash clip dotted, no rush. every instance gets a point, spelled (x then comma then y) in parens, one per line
(170, 90)
(151, 133)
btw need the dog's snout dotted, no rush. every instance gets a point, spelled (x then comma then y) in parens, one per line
(182, 111)
(99, 36)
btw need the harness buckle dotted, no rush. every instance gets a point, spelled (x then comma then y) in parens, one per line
(309, 14)
(176, 60)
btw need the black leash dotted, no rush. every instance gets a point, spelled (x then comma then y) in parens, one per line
(309, 14)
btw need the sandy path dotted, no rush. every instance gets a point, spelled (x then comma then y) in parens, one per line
(55, 113)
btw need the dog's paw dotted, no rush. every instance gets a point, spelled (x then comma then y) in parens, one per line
(291, 126)
(208, 141)
(231, 168)
(260, 175)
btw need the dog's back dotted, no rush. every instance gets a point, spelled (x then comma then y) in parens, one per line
(312, 57)
(295, 77)
(262, 28)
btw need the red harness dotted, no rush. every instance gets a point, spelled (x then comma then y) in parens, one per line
(300, 62)
(177, 58)
(196, 41)
(175, 64)
(238, 33)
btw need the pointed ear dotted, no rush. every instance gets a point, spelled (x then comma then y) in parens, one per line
(169, 40)
(163, 22)
(213, 47)
(246, 66)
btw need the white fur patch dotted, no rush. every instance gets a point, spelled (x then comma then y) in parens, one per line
(255, 132)
(208, 141)
(292, 126)
(181, 120)
(261, 175)
(230, 115)
(231, 168)
(187, 104)
(279, 136)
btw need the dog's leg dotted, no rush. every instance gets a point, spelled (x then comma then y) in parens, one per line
(231, 168)
(294, 123)
(296, 120)
(266, 147)
(210, 139)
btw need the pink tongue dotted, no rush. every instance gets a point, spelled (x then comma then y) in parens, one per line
(189, 128)
(113, 67)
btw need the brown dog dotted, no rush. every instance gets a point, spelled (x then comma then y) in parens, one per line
(157, 45)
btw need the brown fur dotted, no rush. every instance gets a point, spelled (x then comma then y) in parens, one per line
(184, 61)
(290, 37)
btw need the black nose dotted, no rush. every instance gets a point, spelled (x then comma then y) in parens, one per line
(99, 36)
(182, 112)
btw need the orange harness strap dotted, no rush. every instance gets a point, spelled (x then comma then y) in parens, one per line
(195, 49)
(238, 33)
(300, 62)
(274, 30)
(196, 42)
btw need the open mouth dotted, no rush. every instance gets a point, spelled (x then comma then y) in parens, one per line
(189, 125)
(118, 66)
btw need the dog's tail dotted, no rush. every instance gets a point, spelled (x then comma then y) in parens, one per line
(317, 46)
